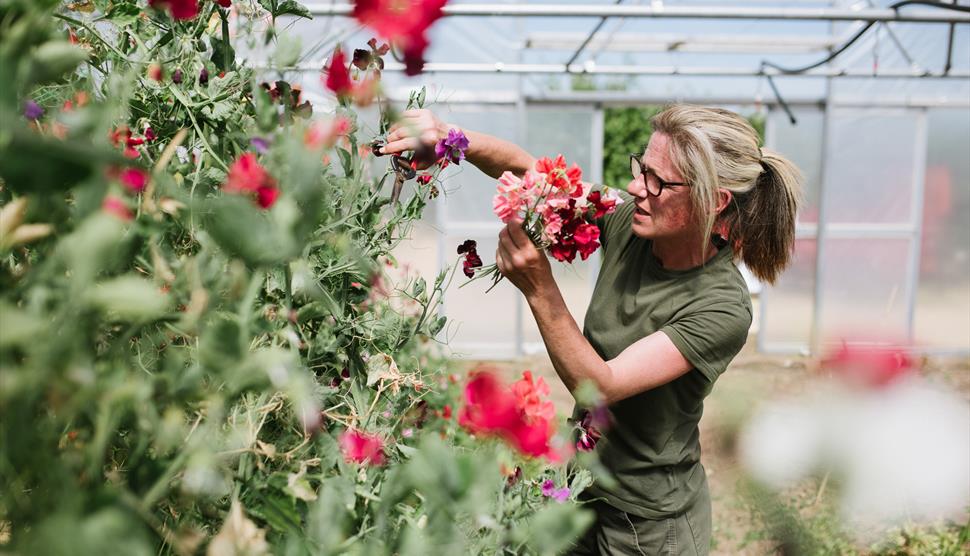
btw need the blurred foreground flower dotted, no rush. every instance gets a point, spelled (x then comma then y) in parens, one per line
(900, 446)
(404, 24)
(247, 176)
(359, 447)
(514, 414)
(179, 9)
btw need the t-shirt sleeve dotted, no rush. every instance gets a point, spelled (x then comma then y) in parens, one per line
(710, 337)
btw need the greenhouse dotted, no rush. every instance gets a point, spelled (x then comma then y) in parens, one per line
(251, 306)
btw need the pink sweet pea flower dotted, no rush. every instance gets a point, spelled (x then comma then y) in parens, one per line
(116, 207)
(549, 490)
(359, 447)
(530, 396)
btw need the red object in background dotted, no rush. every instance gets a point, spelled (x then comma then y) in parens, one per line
(937, 205)
(869, 366)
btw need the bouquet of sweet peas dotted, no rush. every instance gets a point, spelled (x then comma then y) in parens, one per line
(557, 210)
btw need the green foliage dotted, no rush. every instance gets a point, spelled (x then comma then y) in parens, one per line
(178, 362)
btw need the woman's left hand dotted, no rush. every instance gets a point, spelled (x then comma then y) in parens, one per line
(521, 262)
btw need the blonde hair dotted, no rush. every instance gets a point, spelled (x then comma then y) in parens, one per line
(715, 148)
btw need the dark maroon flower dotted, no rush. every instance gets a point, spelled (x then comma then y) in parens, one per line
(472, 260)
(362, 58)
(177, 77)
(468, 246)
(204, 77)
(588, 433)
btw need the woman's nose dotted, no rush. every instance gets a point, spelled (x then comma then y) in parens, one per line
(636, 187)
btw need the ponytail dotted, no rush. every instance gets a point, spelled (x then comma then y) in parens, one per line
(717, 149)
(761, 221)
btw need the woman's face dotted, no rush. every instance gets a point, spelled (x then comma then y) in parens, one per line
(669, 214)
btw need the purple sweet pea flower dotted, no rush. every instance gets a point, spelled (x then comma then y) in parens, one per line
(452, 147)
(259, 144)
(32, 110)
(177, 77)
(558, 494)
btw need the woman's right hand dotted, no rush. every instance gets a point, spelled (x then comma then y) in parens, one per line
(418, 131)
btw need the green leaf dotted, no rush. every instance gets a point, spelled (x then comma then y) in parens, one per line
(287, 51)
(223, 54)
(290, 7)
(437, 325)
(34, 163)
(129, 298)
(18, 327)
(123, 13)
(245, 231)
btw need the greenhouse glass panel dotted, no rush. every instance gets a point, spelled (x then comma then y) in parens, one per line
(942, 318)
(787, 307)
(468, 191)
(871, 166)
(480, 324)
(802, 144)
(864, 288)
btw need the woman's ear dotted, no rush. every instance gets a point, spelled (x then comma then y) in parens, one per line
(723, 200)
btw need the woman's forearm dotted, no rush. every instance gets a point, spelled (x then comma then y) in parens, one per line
(493, 156)
(572, 356)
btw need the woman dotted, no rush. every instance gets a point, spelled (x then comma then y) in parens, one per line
(669, 311)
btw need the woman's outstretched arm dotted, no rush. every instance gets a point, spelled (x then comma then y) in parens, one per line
(421, 130)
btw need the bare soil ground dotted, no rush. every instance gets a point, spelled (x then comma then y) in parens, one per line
(750, 378)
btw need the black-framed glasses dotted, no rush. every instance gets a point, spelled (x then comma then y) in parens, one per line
(654, 183)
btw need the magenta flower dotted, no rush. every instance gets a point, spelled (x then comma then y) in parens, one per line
(359, 447)
(549, 490)
(32, 110)
(452, 147)
(134, 179)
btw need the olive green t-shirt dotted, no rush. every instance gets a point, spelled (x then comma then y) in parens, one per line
(652, 447)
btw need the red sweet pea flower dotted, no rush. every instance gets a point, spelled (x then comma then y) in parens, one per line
(180, 9)
(248, 177)
(266, 196)
(586, 236)
(472, 260)
(488, 407)
(600, 206)
(402, 22)
(359, 447)
(134, 179)
(224, 3)
(338, 76)
(519, 418)
(560, 177)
